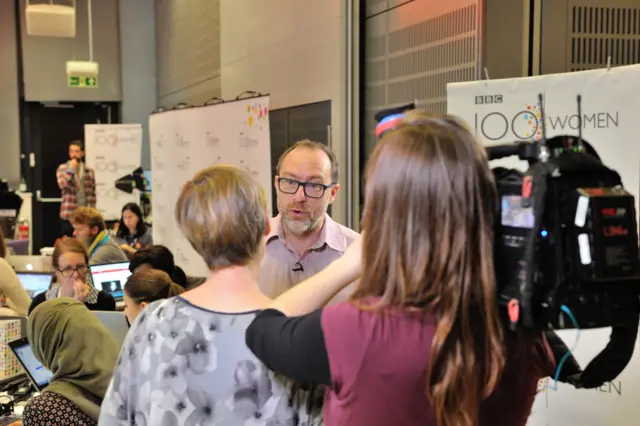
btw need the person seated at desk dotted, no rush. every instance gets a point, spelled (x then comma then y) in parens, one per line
(158, 257)
(70, 264)
(147, 286)
(81, 353)
(89, 228)
(15, 299)
(133, 233)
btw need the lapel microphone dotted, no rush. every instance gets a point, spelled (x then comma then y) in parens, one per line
(298, 267)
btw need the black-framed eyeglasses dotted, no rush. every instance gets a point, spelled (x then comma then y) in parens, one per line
(311, 189)
(68, 271)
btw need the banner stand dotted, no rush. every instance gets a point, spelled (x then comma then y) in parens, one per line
(507, 110)
(186, 140)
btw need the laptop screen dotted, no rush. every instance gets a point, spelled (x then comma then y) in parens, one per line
(34, 283)
(39, 375)
(110, 277)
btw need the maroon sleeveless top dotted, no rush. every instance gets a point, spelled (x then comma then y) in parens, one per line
(378, 363)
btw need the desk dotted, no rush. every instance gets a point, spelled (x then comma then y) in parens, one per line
(19, 407)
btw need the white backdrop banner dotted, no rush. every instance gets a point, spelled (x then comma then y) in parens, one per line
(186, 140)
(112, 151)
(508, 110)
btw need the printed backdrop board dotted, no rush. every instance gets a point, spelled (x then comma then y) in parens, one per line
(184, 141)
(508, 110)
(112, 151)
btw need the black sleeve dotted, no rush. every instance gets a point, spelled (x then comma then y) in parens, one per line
(293, 347)
(105, 302)
(37, 300)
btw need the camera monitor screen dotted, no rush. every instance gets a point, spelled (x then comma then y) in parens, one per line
(514, 215)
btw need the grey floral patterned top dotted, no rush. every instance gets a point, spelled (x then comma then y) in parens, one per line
(184, 365)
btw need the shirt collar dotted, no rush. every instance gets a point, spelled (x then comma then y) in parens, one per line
(330, 234)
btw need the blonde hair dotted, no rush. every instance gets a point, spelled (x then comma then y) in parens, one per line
(87, 216)
(222, 212)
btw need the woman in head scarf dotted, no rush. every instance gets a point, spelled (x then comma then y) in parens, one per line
(81, 353)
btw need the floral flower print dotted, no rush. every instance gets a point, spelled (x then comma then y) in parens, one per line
(253, 389)
(186, 366)
(200, 353)
(204, 412)
(171, 376)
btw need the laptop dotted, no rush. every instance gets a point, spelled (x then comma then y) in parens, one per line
(34, 282)
(116, 323)
(37, 374)
(111, 278)
(30, 263)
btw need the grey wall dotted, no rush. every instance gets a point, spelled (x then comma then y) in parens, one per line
(138, 59)
(580, 35)
(188, 51)
(506, 38)
(44, 58)
(412, 50)
(9, 102)
(297, 52)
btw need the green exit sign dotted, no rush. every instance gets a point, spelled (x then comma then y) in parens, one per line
(82, 82)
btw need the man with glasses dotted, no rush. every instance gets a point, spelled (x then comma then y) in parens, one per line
(303, 239)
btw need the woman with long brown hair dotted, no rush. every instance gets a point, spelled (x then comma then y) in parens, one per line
(421, 341)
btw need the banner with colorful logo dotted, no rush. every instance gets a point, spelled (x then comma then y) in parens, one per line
(184, 141)
(508, 110)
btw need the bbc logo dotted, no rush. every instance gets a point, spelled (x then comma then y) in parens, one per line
(488, 99)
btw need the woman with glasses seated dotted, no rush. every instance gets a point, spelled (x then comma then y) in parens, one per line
(70, 268)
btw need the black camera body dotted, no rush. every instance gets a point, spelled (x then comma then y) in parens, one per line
(566, 252)
(585, 247)
(566, 248)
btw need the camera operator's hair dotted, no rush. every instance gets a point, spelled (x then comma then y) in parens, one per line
(222, 211)
(428, 246)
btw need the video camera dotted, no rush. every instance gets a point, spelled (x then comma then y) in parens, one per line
(566, 248)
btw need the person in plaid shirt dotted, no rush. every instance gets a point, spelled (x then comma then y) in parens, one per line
(77, 183)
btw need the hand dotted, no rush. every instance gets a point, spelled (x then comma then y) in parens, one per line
(74, 163)
(80, 291)
(17, 423)
(351, 260)
(317, 290)
(67, 288)
(127, 248)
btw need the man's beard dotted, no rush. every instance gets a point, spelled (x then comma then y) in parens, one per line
(88, 241)
(300, 227)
